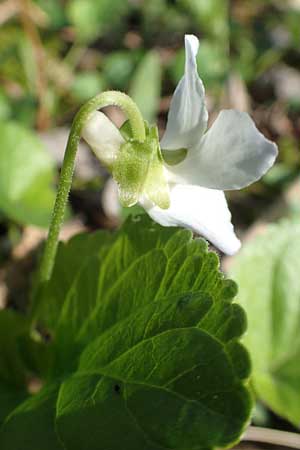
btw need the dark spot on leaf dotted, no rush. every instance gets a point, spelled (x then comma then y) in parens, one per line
(117, 388)
(184, 300)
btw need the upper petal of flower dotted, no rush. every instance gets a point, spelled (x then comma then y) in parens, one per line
(103, 137)
(231, 155)
(202, 210)
(187, 118)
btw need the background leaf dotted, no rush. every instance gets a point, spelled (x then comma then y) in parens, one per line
(87, 85)
(26, 173)
(146, 85)
(212, 61)
(267, 271)
(210, 16)
(92, 19)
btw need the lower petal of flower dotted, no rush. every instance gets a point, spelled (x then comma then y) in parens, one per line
(202, 210)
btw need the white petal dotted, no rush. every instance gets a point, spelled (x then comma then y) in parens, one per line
(204, 211)
(110, 200)
(103, 137)
(187, 118)
(231, 155)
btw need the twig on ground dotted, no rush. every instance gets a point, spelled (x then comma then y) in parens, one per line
(270, 436)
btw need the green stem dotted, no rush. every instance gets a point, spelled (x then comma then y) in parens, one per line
(138, 131)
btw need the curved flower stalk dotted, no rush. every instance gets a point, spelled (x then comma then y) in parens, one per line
(184, 186)
(83, 117)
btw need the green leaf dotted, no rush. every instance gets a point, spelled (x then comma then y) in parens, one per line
(37, 353)
(87, 85)
(137, 286)
(146, 85)
(160, 313)
(116, 253)
(71, 259)
(12, 370)
(55, 13)
(26, 173)
(31, 425)
(211, 16)
(212, 60)
(12, 327)
(5, 106)
(79, 321)
(92, 19)
(165, 383)
(136, 263)
(118, 67)
(267, 271)
(10, 397)
(28, 61)
(146, 342)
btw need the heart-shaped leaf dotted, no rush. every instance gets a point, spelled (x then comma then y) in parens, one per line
(146, 348)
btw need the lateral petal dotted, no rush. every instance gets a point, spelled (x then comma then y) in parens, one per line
(231, 155)
(187, 118)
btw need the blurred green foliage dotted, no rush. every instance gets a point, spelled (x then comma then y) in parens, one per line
(80, 47)
(146, 85)
(26, 172)
(71, 50)
(56, 54)
(267, 272)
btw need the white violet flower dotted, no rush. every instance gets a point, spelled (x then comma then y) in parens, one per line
(196, 165)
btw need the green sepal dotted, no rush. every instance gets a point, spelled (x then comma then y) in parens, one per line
(130, 170)
(139, 169)
(126, 130)
(156, 186)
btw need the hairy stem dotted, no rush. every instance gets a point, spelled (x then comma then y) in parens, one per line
(138, 130)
